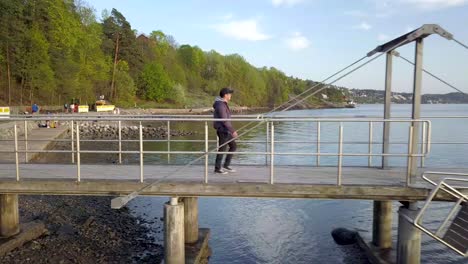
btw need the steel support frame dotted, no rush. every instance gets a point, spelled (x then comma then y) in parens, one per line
(416, 110)
(387, 108)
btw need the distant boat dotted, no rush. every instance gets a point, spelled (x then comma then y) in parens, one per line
(350, 104)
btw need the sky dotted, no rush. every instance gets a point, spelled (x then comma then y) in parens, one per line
(312, 39)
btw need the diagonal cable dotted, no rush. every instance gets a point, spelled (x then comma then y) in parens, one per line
(118, 202)
(317, 84)
(461, 44)
(328, 85)
(433, 75)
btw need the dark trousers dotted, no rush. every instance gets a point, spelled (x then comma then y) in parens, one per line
(223, 138)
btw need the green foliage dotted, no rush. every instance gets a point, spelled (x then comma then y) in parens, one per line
(125, 87)
(178, 94)
(154, 83)
(117, 28)
(40, 75)
(57, 49)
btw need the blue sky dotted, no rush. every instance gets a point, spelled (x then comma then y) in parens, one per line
(313, 38)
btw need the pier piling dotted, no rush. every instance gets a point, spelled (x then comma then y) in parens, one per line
(382, 224)
(174, 247)
(190, 219)
(9, 216)
(409, 236)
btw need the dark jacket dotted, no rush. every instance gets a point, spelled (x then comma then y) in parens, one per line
(221, 110)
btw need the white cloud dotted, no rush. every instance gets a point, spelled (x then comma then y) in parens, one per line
(297, 42)
(435, 4)
(242, 30)
(363, 26)
(286, 2)
(382, 37)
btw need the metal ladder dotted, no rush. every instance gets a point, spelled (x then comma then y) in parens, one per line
(453, 232)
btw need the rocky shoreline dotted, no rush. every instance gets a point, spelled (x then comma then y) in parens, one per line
(85, 229)
(93, 130)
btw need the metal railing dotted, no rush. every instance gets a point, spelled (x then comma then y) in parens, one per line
(461, 198)
(270, 141)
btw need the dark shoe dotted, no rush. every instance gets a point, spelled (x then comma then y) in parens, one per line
(219, 171)
(228, 169)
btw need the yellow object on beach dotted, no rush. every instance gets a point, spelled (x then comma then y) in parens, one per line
(4, 111)
(104, 108)
(83, 109)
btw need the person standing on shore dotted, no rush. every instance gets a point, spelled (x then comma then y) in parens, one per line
(224, 130)
(35, 109)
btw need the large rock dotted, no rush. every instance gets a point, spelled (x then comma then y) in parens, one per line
(343, 236)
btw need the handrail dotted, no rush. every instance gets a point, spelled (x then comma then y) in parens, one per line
(77, 124)
(255, 116)
(210, 119)
(425, 177)
(452, 190)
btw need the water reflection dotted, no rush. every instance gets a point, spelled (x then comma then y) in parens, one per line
(298, 231)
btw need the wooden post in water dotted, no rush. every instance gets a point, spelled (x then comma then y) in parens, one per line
(9, 216)
(382, 224)
(191, 219)
(174, 247)
(409, 236)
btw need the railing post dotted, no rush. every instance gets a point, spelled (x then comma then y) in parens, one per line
(410, 156)
(428, 136)
(340, 154)
(73, 141)
(272, 153)
(120, 141)
(206, 152)
(168, 142)
(78, 160)
(267, 141)
(26, 141)
(317, 158)
(370, 144)
(16, 151)
(423, 146)
(141, 152)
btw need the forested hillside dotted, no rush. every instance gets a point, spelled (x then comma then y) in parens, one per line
(55, 50)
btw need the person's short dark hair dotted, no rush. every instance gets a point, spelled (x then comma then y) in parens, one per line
(225, 91)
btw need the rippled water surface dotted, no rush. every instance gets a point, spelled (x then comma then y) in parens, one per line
(297, 230)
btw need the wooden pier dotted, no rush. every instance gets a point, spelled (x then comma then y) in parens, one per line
(248, 181)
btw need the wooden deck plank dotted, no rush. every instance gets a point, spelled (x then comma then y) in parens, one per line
(249, 181)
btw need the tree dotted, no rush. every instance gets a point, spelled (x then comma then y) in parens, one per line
(125, 87)
(192, 57)
(40, 76)
(11, 29)
(154, 83)
(117, 29)
(93, 66)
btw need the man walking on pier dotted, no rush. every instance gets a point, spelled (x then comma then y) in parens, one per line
(224, 130)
